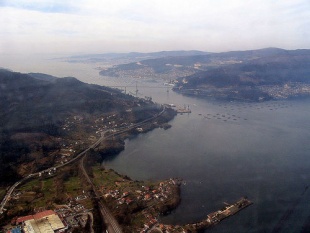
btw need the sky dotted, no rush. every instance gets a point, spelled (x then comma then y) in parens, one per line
(100, 26)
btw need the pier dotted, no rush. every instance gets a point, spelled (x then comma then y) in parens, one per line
(211, 220)
(217, 216)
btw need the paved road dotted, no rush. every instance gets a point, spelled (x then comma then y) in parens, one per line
(120, 131)
(108, 218)
(11, 189)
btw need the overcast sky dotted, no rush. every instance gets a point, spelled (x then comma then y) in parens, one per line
(98, 26)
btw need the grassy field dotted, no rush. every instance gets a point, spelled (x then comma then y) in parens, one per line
(105, 177)
(30, 185)
(108, 179)
(73, 186)
(38, 192)
(54, 187)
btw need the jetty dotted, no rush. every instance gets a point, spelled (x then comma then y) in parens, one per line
(217, 216)
(211, 220)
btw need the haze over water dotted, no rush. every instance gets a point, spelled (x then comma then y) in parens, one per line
(222, 151)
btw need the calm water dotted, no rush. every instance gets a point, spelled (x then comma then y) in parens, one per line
(222, 151)
(258, 152)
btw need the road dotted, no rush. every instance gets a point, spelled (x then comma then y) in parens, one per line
(107, 217)
(103, 209)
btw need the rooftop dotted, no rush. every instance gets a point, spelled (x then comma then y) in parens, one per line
(43, 222)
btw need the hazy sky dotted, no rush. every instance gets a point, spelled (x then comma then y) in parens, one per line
(97, 26)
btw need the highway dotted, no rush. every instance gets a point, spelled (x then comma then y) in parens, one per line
(112, 224)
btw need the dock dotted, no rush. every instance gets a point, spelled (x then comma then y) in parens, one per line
(228, 210)
(217, 216)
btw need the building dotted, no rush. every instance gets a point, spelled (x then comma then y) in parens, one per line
(15, 230)
(44, 222)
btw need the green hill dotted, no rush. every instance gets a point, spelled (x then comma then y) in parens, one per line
(41, 113)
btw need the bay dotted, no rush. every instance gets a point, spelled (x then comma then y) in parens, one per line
(222, 151)
(256, 150)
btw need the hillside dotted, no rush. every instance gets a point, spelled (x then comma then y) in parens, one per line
(253, 75)
(41, 116)
(183, 65)
(187, 62)
(37, 103)
(276, 74)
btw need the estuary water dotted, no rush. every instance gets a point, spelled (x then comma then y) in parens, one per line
(226, 150)
(222, 151)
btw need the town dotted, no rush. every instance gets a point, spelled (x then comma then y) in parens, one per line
(287, 90)
(143, 201)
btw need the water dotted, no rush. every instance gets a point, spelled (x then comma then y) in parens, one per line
(265, 157)
(222, 151)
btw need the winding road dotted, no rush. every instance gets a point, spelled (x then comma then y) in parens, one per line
(113, 226)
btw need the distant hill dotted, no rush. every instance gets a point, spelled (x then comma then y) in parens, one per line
(172, 66)
(291, 66)
(201, 60)
(252, 76)
(244, 74)
(129, 57)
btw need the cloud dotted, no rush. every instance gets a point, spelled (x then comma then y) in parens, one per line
(140, 25)
(48, 6)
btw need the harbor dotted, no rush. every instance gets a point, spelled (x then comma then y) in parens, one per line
(211, 220)
(218, 216)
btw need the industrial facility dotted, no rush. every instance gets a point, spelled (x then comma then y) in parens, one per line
(44, 222)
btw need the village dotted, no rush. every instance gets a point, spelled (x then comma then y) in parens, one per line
(147, 199)
(143, 201)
